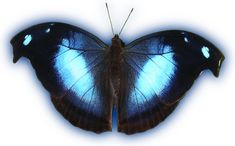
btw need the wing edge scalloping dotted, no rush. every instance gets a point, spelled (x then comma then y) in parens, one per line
(101, 125)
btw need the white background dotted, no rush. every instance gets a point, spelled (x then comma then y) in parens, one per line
(206, 116)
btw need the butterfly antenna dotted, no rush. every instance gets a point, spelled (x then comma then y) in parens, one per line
(109, 18)
(126, 21)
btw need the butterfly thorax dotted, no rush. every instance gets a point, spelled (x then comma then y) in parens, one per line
(115, 54)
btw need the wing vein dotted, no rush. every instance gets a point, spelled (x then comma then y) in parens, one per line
(138, 72)
(157, 66)
(71, 48)
(78, 56)
(153, 62)
(92, 94)
(140, 53)
(137, 88)
(162, 54)
(83, 76)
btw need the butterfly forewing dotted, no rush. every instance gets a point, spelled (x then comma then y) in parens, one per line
(160, 68)
(70, 63)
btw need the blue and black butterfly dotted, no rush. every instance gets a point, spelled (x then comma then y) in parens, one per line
(87, 79)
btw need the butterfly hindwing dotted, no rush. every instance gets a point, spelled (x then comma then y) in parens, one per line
(160, 68)
(70, 63)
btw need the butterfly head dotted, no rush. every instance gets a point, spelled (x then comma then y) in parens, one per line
(116, 41)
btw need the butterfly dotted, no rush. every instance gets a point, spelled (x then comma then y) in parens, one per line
(87, 79)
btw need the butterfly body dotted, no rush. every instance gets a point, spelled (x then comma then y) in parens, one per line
(87, 79)
(115, 53)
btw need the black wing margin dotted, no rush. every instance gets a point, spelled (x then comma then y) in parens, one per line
(70, 63)
(158, 70)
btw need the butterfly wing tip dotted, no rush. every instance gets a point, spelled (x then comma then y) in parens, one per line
(216, 70)
(16, 50)
(16, 58)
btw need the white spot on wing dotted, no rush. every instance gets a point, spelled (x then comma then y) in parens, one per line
(48, 30)
(186, 39)
(205, 52)
(27, 39)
